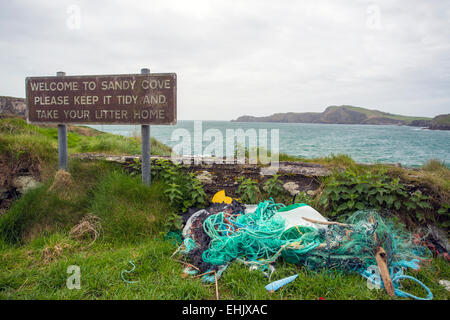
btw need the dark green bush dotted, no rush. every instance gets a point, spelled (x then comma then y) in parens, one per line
(352, 190)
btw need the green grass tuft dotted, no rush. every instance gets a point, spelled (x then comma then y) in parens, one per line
(128, 209)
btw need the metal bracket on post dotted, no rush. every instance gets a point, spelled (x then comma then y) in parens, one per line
(62, 140)
(145, 136)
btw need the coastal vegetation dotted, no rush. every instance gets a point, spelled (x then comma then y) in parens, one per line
(101, 216)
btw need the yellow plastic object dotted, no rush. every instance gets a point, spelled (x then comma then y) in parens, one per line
(220, 197)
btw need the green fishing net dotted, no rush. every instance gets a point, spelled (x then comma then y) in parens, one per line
(260, 238)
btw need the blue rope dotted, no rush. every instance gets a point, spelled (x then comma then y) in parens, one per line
(401, 293)
(128, 271)
(398, 275)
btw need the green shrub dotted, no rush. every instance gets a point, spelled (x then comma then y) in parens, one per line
(352, 190)
(248, 190)
(274, 187)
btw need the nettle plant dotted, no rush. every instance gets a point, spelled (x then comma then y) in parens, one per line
(248, 190)
(274, 187)
(350, 191)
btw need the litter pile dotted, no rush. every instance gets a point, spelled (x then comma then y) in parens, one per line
(259, 236)
(196, 241)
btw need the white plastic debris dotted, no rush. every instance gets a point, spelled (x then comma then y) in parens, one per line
(295, 217)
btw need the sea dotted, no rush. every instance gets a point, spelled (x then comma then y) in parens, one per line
(409, 146)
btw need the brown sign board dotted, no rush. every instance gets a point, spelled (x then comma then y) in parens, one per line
(103, 99)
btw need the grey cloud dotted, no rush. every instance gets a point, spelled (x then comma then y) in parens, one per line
(245, 57)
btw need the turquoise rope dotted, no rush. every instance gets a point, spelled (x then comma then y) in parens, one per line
(128, 271)
(396, 276)
(403, 294)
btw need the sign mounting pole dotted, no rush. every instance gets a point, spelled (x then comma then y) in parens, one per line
(145, 137)
(62, 140)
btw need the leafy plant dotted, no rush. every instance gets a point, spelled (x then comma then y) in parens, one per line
(444, 212)
(135, 166)
(303, 197)
(248, 189)
(195, 192)
(351, 191)
(181, 188)
(173, 222)
(273, 186)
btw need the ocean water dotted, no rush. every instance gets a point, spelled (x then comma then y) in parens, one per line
(409, 146)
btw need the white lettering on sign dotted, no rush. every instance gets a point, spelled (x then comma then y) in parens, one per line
(155, 84)
(54, 86)
(118, 85)
(150, 99)
(102, 99)
(111, 114)
(127, 99)
(47, 114)
(76, 114)
(51, 101)
(146, 114)
(85, 100)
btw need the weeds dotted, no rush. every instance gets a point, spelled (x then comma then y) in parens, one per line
(354, 190)
(248, 190)
(274, 187)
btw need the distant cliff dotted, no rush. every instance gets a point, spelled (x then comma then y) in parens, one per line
(440, 122)
(337, 115)
(13, 106)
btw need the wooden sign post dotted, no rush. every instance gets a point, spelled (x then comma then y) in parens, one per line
(143, 99)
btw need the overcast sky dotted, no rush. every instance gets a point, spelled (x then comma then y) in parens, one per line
(243, 57)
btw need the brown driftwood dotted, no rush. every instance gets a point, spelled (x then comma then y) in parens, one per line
(380, 256)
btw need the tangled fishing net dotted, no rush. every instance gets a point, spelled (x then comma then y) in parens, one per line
(259, 238)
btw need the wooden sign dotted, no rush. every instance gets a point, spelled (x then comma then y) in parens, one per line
(103, 99)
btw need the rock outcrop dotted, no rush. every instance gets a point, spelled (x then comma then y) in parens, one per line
(440, 122)
(13, 106)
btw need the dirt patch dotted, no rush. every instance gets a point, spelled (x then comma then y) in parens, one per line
(11, 167)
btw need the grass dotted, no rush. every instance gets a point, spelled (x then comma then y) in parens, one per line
(375, 113)
(31, 149)
(36, 246)
(30, 272)
(42, 140)
(443, 119)
(132, 218)
(127, 208)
